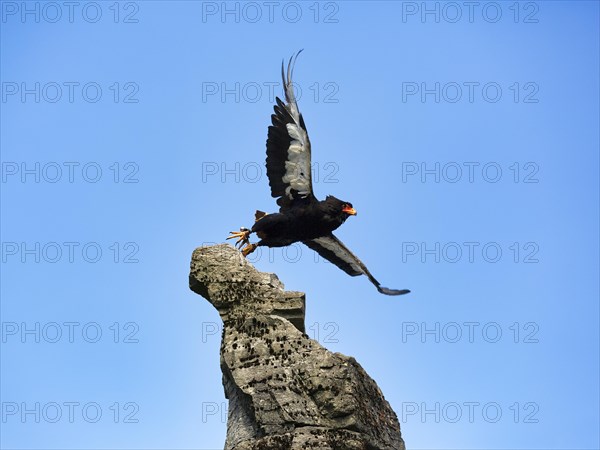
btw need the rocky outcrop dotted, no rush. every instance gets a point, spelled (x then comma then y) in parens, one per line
(285, 390)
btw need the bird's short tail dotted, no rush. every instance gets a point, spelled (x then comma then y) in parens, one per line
(259, 215)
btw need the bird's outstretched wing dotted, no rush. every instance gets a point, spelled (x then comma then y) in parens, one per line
(332, 249)
(288, 147)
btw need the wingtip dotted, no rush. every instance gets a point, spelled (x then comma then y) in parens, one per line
(292, 64)
(288, 75)
(387, 291)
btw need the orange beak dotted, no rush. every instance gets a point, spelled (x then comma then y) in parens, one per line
(350, 211)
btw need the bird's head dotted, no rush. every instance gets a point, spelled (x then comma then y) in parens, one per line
(339, 208)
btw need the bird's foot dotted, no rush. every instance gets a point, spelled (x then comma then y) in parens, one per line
(242, 237)
(249, 249)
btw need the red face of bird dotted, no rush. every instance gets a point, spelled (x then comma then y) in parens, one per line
(348, 209)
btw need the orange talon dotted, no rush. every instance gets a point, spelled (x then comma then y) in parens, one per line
(249, 249)
(242, 237)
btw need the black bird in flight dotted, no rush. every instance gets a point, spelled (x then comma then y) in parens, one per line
(301, 217)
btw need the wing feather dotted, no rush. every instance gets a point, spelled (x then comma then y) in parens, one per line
(332, 249)
(288, 146)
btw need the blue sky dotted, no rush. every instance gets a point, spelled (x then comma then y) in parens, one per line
(466, 138)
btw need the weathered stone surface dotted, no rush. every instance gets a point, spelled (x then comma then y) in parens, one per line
(285, 390)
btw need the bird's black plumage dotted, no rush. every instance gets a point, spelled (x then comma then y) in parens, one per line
(301, 217)
(303, 220)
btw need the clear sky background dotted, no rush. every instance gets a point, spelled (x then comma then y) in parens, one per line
(465, 136)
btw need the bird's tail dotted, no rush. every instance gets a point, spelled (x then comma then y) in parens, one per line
(259, 215)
